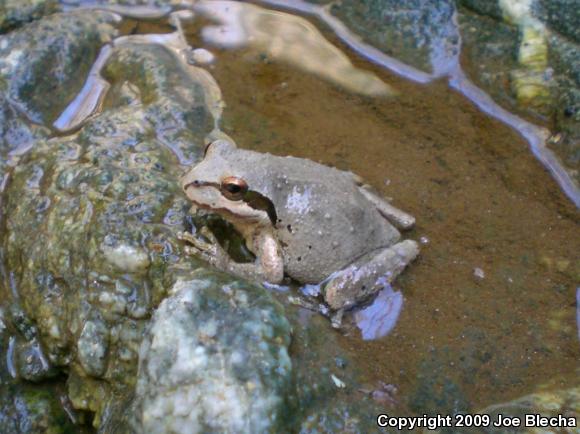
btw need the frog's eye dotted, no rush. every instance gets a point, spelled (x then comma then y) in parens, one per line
(233, 188)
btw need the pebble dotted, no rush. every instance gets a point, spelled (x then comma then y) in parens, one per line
(201, 56)
(337, 381)
(479, 273)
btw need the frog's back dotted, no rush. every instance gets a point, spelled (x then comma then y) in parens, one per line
(324, 222)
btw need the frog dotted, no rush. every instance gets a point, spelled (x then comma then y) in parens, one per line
(313, 223)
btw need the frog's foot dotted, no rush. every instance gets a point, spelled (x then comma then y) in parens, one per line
(368, 275)
(336, 319)
(400, 219)
(310, 304)
(316, 306)
(267, 268)
(210, 251)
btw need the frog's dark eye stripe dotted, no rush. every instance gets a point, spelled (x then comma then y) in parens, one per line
(257, 201)
(207, 145)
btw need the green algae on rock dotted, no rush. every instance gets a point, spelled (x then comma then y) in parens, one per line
(33, 67)
(104, 206)
(27, 411)
(27, 408)
(17, 12)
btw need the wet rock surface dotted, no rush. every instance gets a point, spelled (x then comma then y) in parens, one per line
(26, 408)
(215, 359)
(418, 32)
(90, 218)
(17, 12)
(55, 64)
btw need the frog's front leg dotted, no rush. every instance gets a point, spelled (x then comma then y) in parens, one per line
(365, 277)
(400, 219)
(210, 251)
(268, 266)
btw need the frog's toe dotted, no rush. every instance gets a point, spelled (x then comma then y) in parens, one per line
(197, 243)
(207, 233)
(185, 236)
(336, 319)
(191, 251)
(407, 251)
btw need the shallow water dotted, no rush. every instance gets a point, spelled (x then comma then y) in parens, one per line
(480, 198)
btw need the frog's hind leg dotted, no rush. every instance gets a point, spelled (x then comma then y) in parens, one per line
(368, 275)
(400, 219)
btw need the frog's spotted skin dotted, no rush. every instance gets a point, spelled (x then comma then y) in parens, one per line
(325, 222)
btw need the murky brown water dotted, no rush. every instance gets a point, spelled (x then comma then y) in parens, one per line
(480, 198)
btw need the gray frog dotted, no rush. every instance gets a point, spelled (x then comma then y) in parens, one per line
(314, 223)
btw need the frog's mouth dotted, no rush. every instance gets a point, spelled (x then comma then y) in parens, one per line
(251, 198)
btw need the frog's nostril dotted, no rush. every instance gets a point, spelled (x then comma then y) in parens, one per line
(195, 183)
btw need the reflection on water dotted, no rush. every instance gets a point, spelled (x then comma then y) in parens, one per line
(285, 38)
(378, 319)
(89, 100)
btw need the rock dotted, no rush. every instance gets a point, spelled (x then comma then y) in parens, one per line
(201, 56)
(215, 358)
(565, 60)
(490, 8)
(56, 64)
(93, 346)
(26, 408)
(103, 206)
(418, 32)
(27, 411)
(16, 12)
(31, 362)
(478, 273)
(562, 16)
